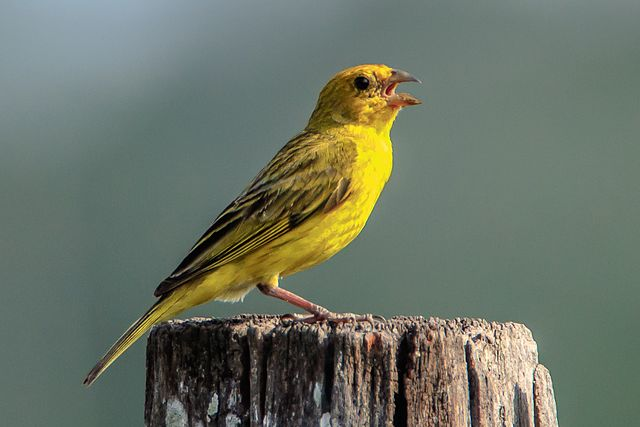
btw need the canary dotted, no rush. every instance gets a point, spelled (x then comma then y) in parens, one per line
(308, 203)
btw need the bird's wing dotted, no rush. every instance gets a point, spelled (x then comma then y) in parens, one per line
(301, 181)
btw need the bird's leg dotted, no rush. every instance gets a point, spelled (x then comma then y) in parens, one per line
(319, 313)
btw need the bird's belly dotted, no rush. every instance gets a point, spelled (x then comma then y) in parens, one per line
(322, 237)
(320, 240)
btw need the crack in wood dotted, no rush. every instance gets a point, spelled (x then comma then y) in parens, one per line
(472, 384)
(327, 380)
(400, 417)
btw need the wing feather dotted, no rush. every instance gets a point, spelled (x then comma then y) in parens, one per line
(307, 177)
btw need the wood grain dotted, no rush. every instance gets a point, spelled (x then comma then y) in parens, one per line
(407, 371)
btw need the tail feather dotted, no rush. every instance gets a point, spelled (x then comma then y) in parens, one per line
(135, 331)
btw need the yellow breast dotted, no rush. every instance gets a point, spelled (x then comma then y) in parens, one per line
(327, 235)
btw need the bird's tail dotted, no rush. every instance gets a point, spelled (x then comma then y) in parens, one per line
(161, 310)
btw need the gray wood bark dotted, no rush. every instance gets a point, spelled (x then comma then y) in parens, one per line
(408, 371)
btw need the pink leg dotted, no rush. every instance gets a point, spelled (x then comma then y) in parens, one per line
(291, 298)
(319, 313)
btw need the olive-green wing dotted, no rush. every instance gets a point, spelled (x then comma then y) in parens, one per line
(303, 180)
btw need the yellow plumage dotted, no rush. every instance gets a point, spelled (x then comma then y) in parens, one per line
(307, 204)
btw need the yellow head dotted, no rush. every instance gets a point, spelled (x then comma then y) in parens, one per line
(362, 96)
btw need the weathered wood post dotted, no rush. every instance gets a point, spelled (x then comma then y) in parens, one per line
(408, 371)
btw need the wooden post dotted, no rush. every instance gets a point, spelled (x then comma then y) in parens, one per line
(408, 371)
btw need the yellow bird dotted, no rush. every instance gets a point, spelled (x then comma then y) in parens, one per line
(308, 203)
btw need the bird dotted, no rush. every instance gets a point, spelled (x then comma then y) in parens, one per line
(309, 202)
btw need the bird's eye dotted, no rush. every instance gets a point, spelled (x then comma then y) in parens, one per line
(361, 82)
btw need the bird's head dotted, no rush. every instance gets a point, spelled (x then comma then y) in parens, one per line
(362, 96)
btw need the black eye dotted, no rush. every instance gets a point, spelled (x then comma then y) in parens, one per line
(361, 83)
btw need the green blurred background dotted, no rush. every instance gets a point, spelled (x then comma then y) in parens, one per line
(126, 127)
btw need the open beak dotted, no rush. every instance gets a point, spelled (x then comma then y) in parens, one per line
(399, 100)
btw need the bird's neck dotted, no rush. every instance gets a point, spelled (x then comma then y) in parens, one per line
(359, 132)
(336, 124)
